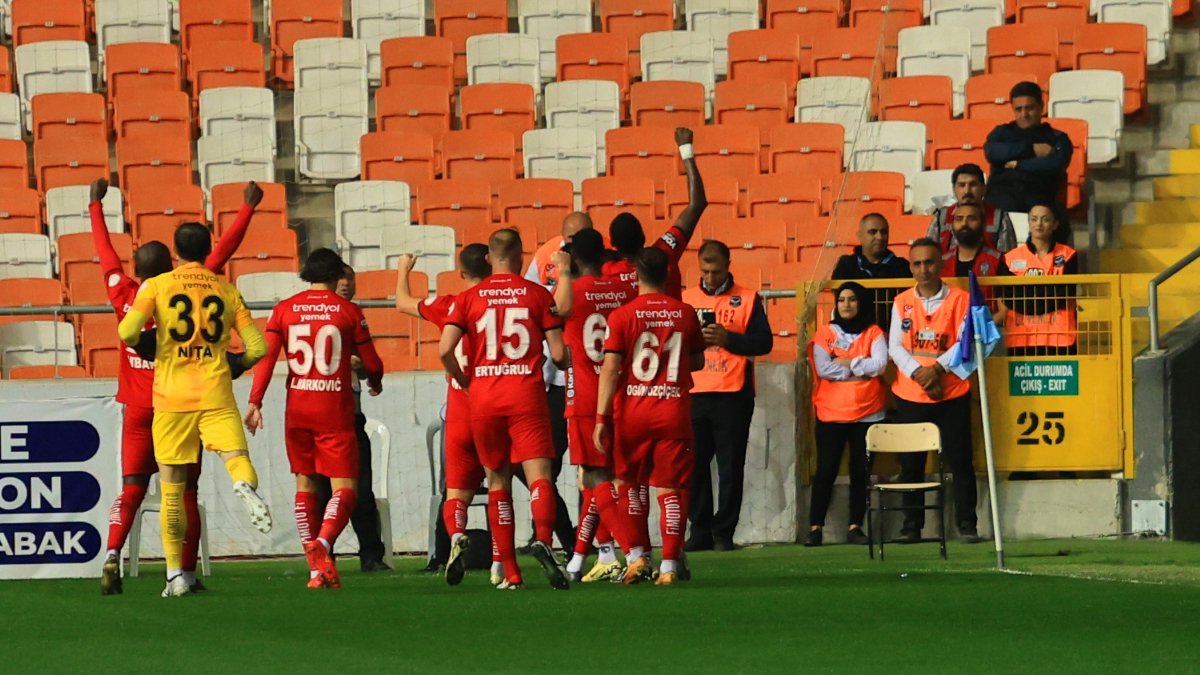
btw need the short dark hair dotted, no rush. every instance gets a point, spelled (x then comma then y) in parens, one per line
(652, 265)
(151, 259)
(504, 243)
(1025, 88)
(977, 207)
(626, 234)
(713, 248)
(923, 242)
(587, 247)
(967, 170)
(473, 262)
(323, 266)
(193, 242)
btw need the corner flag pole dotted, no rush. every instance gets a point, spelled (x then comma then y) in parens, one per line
(987, 447)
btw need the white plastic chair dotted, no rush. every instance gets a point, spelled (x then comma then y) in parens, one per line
(12, 126)
(1097, 96)
(839, 99)
(51, 67)
(889, 146)
(328, 127)
(584, 104)
(679, 55)
(561, 153)
(1155, 14)
(152, 503)
(717, 19)
(976, 15)
(937, 50)
(269, 287)
(504, 57)
(249, 110)
(546, 20)
(374, 21)
(25, 255)
(931, 190)
(381, 446)
(120, 21)
(67, 210)
(432, 244)
(234, 157)
(330, 64)
(37, 343)
(361, 210)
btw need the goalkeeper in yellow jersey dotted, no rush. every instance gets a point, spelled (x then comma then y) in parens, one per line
(193, 311)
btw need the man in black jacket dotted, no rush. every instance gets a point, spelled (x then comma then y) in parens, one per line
(1028, 157)
(872, 259)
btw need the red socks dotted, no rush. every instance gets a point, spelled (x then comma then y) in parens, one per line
(191, 535)
(308, 516)
(120, 517)
(588, 520)
(636, 515)
(542, 505)
(337, 514)
(454, 516)
(500, 516)
(612, 514)
(673, 508)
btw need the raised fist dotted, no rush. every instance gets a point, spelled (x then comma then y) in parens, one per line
(406, 262)
(683, 135)
(253, 194)
(99, 189)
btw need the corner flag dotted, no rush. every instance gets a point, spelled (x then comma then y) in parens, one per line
(979, 322)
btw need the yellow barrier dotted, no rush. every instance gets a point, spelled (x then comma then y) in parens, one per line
(1066, 410)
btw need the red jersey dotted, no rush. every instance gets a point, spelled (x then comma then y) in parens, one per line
(657, 336)
(673, 243)
(504, 320)
(321, 330)
(594, 299)
(135, 375)
(436, 310)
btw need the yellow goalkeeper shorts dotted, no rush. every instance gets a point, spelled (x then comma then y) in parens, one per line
(178, 436)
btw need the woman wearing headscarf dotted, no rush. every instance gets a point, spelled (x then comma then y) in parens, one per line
(848, 357)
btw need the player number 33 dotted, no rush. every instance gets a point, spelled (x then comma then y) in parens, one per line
(213, 309)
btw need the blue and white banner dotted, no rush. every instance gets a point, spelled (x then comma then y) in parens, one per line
(59, 474)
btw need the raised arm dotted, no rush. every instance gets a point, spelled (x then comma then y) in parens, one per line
(109, 260)
(697, 201)
(564, 297)
(406, 302)
(229, 242)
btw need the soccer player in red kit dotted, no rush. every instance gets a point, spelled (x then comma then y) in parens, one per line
(585, 302)
(504, 320)
(322, 331)
(135, 380)
(628, 237)
(464, 473)
(643, 413)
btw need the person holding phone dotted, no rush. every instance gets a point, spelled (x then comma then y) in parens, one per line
(735, 328)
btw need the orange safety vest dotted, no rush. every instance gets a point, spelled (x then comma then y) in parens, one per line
(546, 271)
(928, 336)
(723, 371)
(850, 400)
(1058, 327)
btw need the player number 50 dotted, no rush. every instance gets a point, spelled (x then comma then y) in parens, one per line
(646, 356)
(325, 351)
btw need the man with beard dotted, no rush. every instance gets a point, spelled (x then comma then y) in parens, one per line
(970, 188)
(970, 252)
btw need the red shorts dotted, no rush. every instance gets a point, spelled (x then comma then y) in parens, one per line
(504, 441)
(664, 463)
(462, 467)
(137, 443)
(580, 431)
(333, 454)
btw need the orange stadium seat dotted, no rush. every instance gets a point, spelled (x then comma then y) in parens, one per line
(448, 283)
(394, 155)
(987, 95)
(152, 112)
(1115, 46)
(499, 106)
(846, 51)
(959, 142)
(293, 20)
(806, 147)
(538, 202)
(395, 338)
(100, 350)
(791, 197)
(6, 74)
(928, 99)
(607, 196)
(46, 372)
(21, 292)
(40, 21)
(887, 18)
(460, 203)
(264, 251)
(766, 54)
(70, 115)
(20, 210)
(485, 155)
(156, 210)
(1066, 15)
(631, 19)
(381, 284)
(594, 56)
(749, 236)
(153, 158)
(907, 228)
(420, 59)
(667, 103)
(271, 215)
(781, 314)
(460, 19)
(1077, 131)
(642, 151)
(727, 149)
(414, 107)
(225, 64)
(79, 264)
(1025, 48)
(69, 161)
(213, 21)
(760, 103)
(14, 163)
(135, 66)
(863, 192)
(807, 19)
(723, 194)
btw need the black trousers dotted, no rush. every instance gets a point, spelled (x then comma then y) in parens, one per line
(832, 438)
(953, 419)
(365, 518)
(557, 398)
(721, 429)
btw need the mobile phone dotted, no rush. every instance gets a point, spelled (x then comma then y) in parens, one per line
(708, 317)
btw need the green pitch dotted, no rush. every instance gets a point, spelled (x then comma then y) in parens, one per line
(1081, 606)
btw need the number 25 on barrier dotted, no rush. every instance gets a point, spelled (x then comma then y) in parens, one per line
(1052, 430)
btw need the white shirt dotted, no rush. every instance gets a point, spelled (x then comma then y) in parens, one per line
(861, 367)
(903, 358)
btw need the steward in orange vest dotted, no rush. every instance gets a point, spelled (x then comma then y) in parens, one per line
(1041, 320)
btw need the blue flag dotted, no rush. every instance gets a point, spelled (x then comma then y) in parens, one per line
(977, 322)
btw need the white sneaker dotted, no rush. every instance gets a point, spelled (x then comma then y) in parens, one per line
(260, 515)
(507, 585)
(176, 586)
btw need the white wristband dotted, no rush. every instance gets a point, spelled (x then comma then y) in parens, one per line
(685, 152)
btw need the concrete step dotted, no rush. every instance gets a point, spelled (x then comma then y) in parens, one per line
(1194, 135)
(1161, 235)
(1151, 260)
(1184, 40)
(1183, 186)
(1174, 121)
(1165, 211)
(1168, 162)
